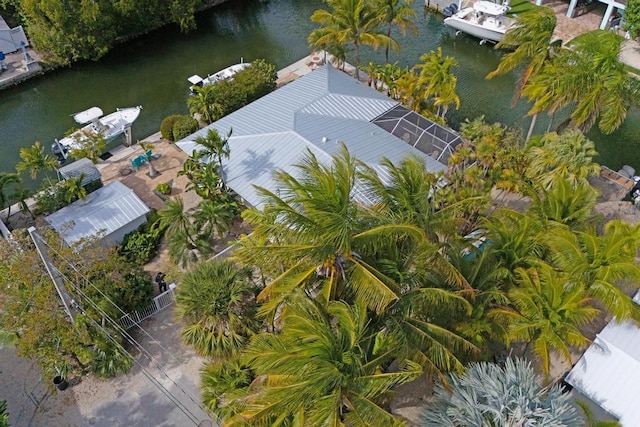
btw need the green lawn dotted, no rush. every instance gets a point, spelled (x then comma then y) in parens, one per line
(520, 6)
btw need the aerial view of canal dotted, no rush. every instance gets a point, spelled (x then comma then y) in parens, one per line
(152, 71)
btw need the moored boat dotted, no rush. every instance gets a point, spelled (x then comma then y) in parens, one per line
(483, 19)
(109, 127)
(225, 74)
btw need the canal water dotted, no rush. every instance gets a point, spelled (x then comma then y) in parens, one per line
(152, 71)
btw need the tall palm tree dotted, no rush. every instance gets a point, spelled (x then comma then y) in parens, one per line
(74, 188)
(543, 312)
(215, 216)
(313, 229)
(215, 146)
(530, 39)
(355, 22)
(216, 302)
(441, 83)
(490, 395)
(568, 155)
(224, 384)
(320, 369)
(399, 13)
(35, 160)
(603, 266)
(590, 79)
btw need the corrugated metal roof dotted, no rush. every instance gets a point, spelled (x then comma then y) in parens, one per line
(79, 167)
(315, 112)
(609, 371)
(104, 211)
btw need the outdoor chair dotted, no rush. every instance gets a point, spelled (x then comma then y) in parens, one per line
(138, 161)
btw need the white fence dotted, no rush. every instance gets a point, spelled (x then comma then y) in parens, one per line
(162, 301)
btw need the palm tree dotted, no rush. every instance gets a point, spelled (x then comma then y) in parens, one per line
(214, 146)
(591, 419)
(490, 395)
(568, 155)
(35, 160)
(354, 22)
(148, 154)
(435, 70)
(313, 230)
(216, 301)
(590, 78)
(399, 13)
(603, 266)
(565, 204)
(7, 179)
(543, 312)
(215, 216)
(203, 103)
(74, 189)
(185, 243)
(224, 384)
(530, 42)
(320, 370)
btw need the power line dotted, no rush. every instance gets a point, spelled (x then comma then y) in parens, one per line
(54, 272)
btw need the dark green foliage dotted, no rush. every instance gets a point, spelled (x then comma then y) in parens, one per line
(248, 85)
(52, 199)
(68, 31)
(141, 246)
(183, 127)
(93, 186)
(166, 127)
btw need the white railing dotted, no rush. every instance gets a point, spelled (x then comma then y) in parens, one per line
(162, 301)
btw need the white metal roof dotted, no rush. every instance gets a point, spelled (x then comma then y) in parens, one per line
(317, 112)
(609, 371)
(104, 211)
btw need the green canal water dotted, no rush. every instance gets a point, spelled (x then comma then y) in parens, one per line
(152, 71)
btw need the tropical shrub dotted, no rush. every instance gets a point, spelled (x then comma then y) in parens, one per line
(4, 416)
(52, 199)
(166, 127)
(164, 188)
(141, 246)
(183, 127)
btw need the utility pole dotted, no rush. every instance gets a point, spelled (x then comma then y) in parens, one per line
(55, 275)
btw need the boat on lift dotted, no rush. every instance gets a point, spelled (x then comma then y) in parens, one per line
(95, 123)
(225, 74)
(483, 19)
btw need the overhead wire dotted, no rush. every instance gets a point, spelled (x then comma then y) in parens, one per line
(116, 325)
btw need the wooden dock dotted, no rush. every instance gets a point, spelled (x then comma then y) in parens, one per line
(621, 180)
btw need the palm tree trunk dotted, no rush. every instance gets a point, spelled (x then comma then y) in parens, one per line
(386, 49)
(356, 51)
(152, 171)
(533, 124)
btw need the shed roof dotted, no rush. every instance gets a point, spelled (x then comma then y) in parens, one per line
(609, 371)
(104, 211)
(79, 167)
(315, 112)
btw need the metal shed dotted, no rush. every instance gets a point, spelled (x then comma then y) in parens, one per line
(83, 167)
(109, 213)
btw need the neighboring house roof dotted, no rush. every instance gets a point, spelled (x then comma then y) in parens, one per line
(315, 112)
(79, 167)
(103, 212)
(608, 373)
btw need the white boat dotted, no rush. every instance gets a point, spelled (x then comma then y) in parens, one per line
(110, 127)
(226, 74)
(483, 19)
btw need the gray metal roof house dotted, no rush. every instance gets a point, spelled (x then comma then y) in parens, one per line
(317, 112)
(109, 213)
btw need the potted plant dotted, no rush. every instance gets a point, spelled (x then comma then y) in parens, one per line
(60, 380)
